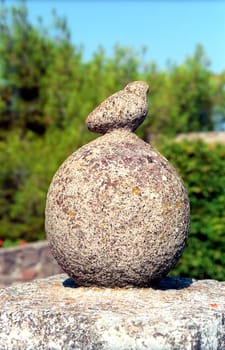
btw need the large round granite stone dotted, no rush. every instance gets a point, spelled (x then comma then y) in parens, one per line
(117, 213)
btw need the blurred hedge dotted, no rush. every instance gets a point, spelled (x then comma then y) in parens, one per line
(202, 167)
(28, 165)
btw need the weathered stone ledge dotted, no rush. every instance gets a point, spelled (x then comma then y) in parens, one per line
(53, 313)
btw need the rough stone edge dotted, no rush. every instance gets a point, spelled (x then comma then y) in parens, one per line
(177, 314)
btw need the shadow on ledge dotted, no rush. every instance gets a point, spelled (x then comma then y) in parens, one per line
(165, 283)
(69, 283)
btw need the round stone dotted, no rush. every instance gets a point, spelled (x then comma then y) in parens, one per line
(117, 213)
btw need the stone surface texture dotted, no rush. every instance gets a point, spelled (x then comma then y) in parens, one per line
(25, 263)
(117, 213)
(53, 314)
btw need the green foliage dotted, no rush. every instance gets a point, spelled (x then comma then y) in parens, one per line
(202, 167)
(46, 92)
(185, 98)
(22, 65)
(29, 165)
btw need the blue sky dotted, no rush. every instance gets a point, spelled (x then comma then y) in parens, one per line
(169, 29)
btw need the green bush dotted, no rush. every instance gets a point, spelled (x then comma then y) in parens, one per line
(202, 167)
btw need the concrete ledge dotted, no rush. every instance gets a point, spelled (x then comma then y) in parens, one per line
(53, 313)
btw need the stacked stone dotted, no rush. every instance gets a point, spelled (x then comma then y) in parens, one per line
(117, 213)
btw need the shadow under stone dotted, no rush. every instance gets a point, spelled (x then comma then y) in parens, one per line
(165, 283)
(69, 283)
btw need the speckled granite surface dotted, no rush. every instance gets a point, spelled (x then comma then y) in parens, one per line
(53, 313)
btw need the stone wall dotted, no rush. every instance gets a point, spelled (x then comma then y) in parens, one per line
(22, 264)
(54, 314)
(209, 136)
